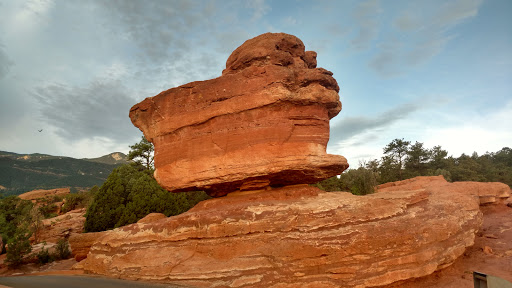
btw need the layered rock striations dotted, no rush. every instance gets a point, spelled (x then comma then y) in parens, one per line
(485, 192)
(296, 236)
(265, 119)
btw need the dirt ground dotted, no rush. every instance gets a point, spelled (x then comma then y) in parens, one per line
(491, 254)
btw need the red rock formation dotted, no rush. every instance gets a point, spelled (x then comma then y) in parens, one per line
(38, 194)
(60, 227)
(487, 192)
(265, 119)
(296, 236)
(80, 244)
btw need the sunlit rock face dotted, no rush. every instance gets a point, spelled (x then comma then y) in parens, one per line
(294, 236)
(265, 120)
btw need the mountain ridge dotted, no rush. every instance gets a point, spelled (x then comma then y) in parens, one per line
(20, 173)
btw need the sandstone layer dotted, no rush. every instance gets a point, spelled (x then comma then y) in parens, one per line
(265, 119)
(486, 192)
(61, 227)
(295, 236)
(39, 194)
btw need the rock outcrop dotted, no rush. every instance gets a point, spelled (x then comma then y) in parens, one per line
(486, 192)
(80, 244)
(265, 119)
(61, 227)
(39, 194)
(296, 236)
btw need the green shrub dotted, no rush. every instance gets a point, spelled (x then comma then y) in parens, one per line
(62, 250)
(129, 194)
(19, 246)
(44, 256)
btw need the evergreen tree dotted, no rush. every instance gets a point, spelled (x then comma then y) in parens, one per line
(397, 150)
(142, 153)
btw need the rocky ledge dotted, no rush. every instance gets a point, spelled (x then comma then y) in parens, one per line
(296, 236)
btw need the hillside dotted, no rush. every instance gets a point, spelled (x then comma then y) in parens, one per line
(20, 173)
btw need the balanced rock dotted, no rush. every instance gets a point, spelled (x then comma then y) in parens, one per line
(265, 119)
(295, 236)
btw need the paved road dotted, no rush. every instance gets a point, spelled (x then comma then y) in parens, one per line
(75, 282)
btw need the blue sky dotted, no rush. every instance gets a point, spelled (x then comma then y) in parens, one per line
(437, 72)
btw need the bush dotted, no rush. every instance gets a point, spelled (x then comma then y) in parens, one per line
(62, 250)
(44, 256)
(129, 194)
(360, 181)
(19, 246)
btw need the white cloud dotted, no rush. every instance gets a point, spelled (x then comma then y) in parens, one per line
(466, 133)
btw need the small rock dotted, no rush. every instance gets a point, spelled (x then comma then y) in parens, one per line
(488, 250)
(491, 236)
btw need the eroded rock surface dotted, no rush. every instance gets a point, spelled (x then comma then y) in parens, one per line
(296, 236)
(62, 226)
(265, 119)
(487, 192)
(39, 194)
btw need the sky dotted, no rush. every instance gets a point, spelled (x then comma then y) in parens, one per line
(436, 72)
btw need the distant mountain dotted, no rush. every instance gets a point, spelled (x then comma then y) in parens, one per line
(116, 158)
(20, 173)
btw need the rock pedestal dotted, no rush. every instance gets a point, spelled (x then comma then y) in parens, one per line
(296, 236)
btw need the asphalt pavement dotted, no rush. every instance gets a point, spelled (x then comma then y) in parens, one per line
(53, 281)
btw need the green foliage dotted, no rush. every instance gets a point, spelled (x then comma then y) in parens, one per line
(47, 207)
(19, 246)
(78, 200)
(405, 161)
(44, 256)
(129, 194)
(142, 153)
(420, 161)
(14, 215)
(360, 181)
(62, 250)
(397, 150)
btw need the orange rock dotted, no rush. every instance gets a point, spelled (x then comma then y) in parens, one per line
(152, 217)
(38, 194)
(60, 227)
(265, 119)
(80, 244)
(487, 192)
(295, 236)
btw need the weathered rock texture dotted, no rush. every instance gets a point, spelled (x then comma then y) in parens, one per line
(80, 244)
(61, 227)
(486, 192)
(295, 236)
(265, 119)
(39, 194)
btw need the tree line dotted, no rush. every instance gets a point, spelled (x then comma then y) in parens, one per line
(403, 160)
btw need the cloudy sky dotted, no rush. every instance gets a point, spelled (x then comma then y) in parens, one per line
(437, 72)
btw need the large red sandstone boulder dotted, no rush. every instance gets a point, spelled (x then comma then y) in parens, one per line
(266, 119)
(296, 236)
(61, 227)
(80, 244)
(486, 192)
